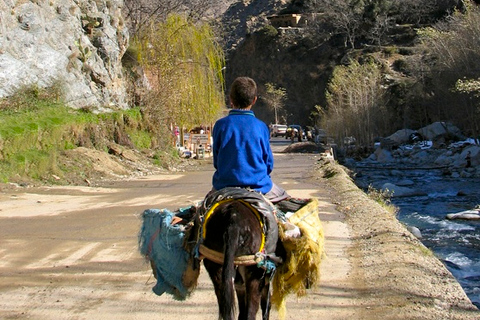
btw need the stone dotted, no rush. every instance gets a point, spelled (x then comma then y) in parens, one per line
(401, 136)
(439, 131)
(415, 231)
(473, 214)
(398, 191)
(383, 155)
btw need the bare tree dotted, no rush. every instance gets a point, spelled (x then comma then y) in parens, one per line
(275, 98)
(141, 13)
(381, 26)
(356, 105)
(454, 47)
(345, 16)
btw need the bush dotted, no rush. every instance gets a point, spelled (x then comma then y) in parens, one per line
(268, 31)
(400, 65)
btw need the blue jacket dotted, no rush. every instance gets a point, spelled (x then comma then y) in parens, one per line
(242, 155)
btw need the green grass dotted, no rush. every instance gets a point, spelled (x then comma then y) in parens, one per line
(35, 129)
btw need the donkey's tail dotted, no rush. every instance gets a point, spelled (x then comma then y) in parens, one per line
(227, 289)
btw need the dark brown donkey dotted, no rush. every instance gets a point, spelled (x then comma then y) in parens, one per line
(233, 235)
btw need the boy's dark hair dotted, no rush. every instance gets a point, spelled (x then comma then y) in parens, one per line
(243, 92)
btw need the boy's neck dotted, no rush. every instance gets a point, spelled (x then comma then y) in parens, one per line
(244, 109)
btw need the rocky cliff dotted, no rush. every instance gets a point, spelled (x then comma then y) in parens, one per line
(74, 44)
(291, 58)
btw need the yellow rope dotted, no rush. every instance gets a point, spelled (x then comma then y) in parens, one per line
(218, 257)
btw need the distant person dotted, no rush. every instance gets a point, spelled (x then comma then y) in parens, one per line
(242, 156)
(316, 134)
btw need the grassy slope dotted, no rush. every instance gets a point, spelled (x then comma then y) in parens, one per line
(38, 134)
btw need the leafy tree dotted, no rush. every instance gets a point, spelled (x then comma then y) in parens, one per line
(184, 66)
(275, 98)
(316, 115)
(413, 11)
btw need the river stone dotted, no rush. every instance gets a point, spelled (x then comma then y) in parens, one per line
(415, 231)
(398, 191)
(443, 160)
(464, 215)
(383, 155)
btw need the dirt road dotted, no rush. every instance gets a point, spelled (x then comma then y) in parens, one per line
(71, 252)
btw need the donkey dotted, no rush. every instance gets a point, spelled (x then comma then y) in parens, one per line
(232, 237)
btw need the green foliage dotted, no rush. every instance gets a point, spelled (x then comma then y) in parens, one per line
(31, 98)
(389, 51)
(185, 66)
(84, 52)
(401, 65)
(35, 130)
(269, 31)
(164, 158)
(141, 139)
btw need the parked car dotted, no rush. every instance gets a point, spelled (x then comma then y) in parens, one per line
(321, 136)
(278, 130)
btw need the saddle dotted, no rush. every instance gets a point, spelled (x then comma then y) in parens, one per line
(262, 207)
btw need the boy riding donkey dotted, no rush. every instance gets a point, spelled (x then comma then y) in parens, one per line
(241, 230)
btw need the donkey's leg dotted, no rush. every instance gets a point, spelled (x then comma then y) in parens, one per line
(254, 285)
(241, 293)
(215, 272)
(266, 302)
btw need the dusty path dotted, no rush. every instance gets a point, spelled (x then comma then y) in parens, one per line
(71, 252)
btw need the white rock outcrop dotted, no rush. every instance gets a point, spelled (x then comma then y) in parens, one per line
(77, 44)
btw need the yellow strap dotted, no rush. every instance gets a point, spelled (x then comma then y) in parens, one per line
(216, 204)
(218, 257)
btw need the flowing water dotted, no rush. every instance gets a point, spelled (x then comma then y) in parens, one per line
(455, 242)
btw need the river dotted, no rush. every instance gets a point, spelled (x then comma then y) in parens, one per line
(455, 242)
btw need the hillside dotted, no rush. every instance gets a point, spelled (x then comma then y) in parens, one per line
(301, 58)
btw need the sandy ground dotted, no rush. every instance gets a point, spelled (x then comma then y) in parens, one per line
(71, 252)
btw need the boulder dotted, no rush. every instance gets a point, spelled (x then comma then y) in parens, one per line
(459, 160)
(421, 156)
(443, 160)
(401, 136)
(383, 155)
(441, 131)
(388, 144)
